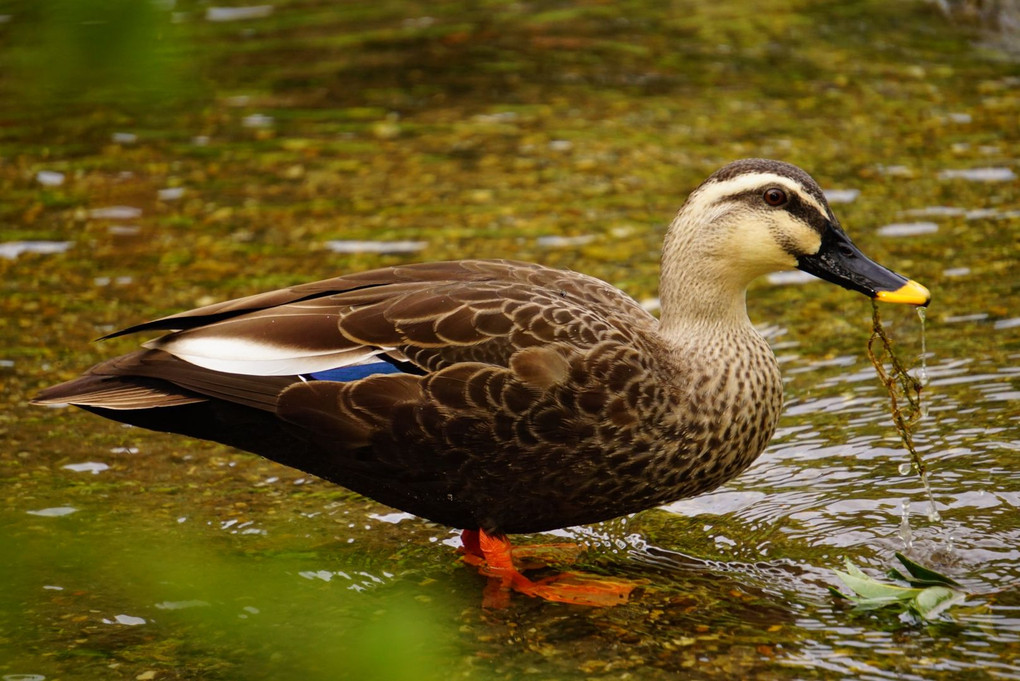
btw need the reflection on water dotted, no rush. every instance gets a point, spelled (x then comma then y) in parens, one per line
(238, 13)
(115, 213)
(126, 620)
(908, 229)
(348, 246)
(13, 249)
(93, 467)
(53, 512)
(49, 178)
(980, 174)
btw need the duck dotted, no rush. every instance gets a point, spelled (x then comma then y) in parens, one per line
(504, 397)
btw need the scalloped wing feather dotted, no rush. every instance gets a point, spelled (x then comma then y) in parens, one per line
(446, 322)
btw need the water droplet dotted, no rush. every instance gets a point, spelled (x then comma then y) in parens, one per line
(905, 533)
(905, 468)
(922, 374)
(933, 513)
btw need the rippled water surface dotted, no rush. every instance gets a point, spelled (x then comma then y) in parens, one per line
(248, 148)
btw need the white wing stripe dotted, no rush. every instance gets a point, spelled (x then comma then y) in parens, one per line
(245, 356)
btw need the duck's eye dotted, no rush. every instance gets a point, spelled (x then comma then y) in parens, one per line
(774, 196)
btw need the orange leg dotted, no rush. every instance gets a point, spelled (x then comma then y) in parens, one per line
(493, 556)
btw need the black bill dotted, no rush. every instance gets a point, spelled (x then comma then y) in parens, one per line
(841, 262)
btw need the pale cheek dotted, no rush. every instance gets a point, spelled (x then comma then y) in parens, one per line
(796, 238)
(757, 253)
(771, 258)
(809, 241)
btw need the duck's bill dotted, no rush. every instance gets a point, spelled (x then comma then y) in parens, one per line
(841, 262)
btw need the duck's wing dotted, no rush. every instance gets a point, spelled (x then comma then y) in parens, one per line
(425, 316)
(412, 319)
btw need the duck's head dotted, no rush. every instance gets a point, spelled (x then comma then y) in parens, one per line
(757, 216)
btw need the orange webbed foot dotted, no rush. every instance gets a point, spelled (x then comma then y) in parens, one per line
(494, 557)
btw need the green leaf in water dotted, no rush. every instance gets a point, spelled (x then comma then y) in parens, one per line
(929, 595)
(922, 576)
(869, 588)
(876, 603)
(935, 600)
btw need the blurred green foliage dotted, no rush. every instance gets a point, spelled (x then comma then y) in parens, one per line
(115, 52)
(153, 600)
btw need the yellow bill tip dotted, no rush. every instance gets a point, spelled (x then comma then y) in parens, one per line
(910, 293)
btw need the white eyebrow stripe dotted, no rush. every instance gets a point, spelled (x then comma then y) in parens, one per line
(716, 191)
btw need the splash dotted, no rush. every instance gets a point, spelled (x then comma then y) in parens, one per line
(906, 535)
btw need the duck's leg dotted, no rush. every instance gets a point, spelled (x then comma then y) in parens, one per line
(493, 556)
(525, 557)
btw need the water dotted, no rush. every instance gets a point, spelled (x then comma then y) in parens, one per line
(485, 133)
(922, 408)
(922, 371)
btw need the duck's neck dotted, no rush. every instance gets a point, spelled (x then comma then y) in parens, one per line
(699, 290)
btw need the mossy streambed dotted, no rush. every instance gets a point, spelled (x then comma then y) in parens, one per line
(313, 138)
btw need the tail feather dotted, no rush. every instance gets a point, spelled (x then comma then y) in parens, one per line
(153, 378)
(115, 392)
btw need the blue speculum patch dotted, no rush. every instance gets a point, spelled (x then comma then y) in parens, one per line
(353, 373)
